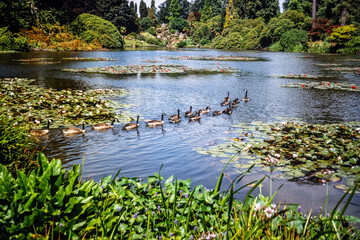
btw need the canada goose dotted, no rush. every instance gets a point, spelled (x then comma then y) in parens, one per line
(130, 126)
(41, 132)
(215, 113)
(189, 113)
(195, 117)
(74, 130)
(228, 110)
(175, 115)
(154, 123)
(245, 99)
(101, 126)
(203, 111)
(235, 102)
(226, 100)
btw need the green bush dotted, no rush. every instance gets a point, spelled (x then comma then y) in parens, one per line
(146, 23)
(293, 38)
(275, 47)
(181, 44)
(151, 30)
(319, 47)
(5, 39)
(179, 24)
(277, 27)
(93, 28)
(351, 47)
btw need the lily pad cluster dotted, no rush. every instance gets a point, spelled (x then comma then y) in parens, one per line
(298, 76)
(152, 61)
(36, 61)
(145, 69)
(216, 58)
(355, 70)
(89, 59)
(324, 86)
(32, 104)
(296, 151)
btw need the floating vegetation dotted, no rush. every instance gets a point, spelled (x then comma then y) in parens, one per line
(32, 104)
(152, 61)
(297, 76)
(217, 58)
(355, 70)
(89, 59)
(36, 61)
(150, 69)
(324, 86)
(305, 153)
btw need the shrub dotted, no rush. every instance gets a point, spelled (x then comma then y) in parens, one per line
(146, 23)
(92, 28)
(351, 47)
(151, 30)
(181, 44)
(275, 47)
(342, 34)
(179, 24)
(319, 47)
(5, 39)
(277, 27)
(292, 38)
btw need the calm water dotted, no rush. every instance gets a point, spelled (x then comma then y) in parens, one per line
(141, 153)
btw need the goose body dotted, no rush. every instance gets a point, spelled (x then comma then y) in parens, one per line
(189, 113)
(101, 126)
(74, 130)
(235, 102)
(216, 113)
(195, 117)
(155, 123)
(203, 111)
(226, 100)
(130, 126)
(228, 110)
(41, 132)
(175, 115)
(245, 99)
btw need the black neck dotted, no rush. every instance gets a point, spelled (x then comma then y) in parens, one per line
(178, 113)
(162, 117)
(137, 120)
(48, 124)
(245, 93)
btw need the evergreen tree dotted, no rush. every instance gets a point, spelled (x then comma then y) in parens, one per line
(163, 13)
(132, 5)
(16, 14)
(266, 9)
(143, 9)
(174, 9)
(153, 5)
(184, 8)
(119, 13)
(136, 8)
(152, 16)
(231, 13)
(206, 11)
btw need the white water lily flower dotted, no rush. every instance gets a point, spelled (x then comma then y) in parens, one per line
(277, 155)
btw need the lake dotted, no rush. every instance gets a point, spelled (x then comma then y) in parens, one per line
(143, 152)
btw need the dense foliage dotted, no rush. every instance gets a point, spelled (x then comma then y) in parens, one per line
(95, 29)
(48, 203)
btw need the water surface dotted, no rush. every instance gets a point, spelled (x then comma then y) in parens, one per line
(141, 153)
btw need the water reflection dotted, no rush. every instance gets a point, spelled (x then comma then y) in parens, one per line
(141, 152)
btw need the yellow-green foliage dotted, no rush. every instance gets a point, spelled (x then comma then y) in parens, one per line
(231, 13)
(343, 34)
(241, 34)
(208, 30)
(92, 28)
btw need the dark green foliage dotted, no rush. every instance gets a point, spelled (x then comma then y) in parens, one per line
(303, 6)
(151, 30)
(181, 44)
(15, 14)
(174, 9)
(92, 28)
(278, 27)
(208, 30)
(298, 18)
(143, 9)
(179, 24)
(164, 14)
(146, 23)
(351, 47)
(292, 39)
(119, 13)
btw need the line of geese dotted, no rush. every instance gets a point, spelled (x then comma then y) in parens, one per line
(176, 118)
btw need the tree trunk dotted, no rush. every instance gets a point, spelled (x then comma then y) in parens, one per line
(343, 17)
(314, 14)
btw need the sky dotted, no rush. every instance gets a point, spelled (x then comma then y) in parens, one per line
(157, 3)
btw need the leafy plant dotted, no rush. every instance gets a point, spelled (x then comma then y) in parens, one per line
(179, 24)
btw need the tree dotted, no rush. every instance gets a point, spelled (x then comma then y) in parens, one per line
(151, 15)
(153, 5)
(266, 9)
(174, 9)
(314, 14)
(184, 8)
(132, 5)
(179, 24)
(143, 9)
(146, 23)
(16, 14)
(231, 13)
(136, 8)
(343, 34)
(93, 28)
(206, 11)
(304, 6)
(119, 13)
(163, 13)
